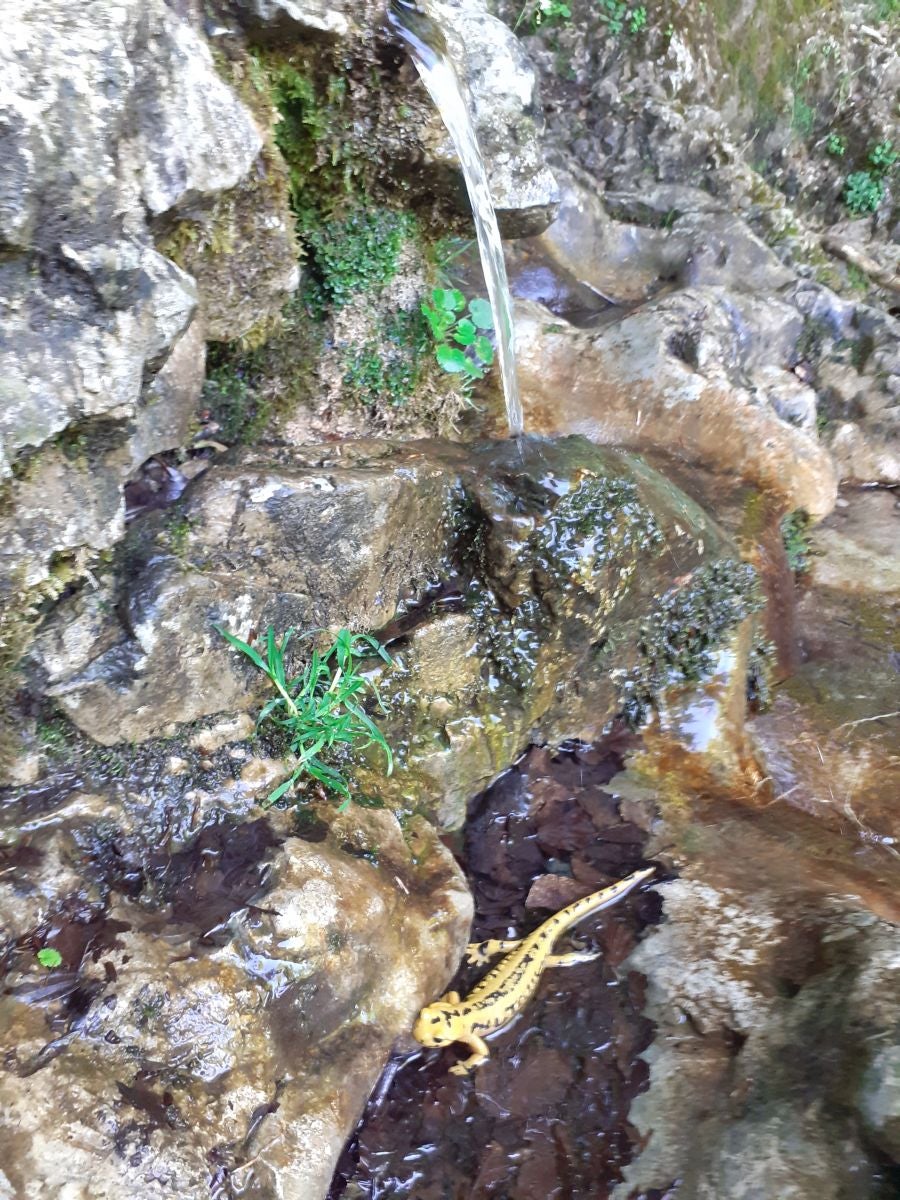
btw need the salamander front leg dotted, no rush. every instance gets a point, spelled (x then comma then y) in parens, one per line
(478, 953)
(481, 1054)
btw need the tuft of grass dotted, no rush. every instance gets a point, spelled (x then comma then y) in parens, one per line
(320, 709)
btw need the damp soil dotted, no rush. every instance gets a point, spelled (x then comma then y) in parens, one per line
(546, 1118)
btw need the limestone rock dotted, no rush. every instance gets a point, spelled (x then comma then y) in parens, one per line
(558, 543)
(502, 86)
(659, 380)
(116, 117)
(244, 1042)
(276, 20)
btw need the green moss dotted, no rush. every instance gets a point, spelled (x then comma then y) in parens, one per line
(356, 253)
(389, 368)
(795, 535)
(600, 520)
(248, 391)
(678, 642)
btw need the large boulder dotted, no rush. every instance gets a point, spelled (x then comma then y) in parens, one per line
(117, 124)
(527, 591)
(662, 379)
(227, 991)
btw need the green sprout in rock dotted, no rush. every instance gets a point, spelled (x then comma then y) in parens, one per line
(320, 709)
(472, 352)
(616, 15)
(864, 192)
(49, 958)
(883, 156)
(543, 12)
(835, 145)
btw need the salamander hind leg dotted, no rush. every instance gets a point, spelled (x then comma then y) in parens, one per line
(479, 953)
(480, 1054)
(571, 960)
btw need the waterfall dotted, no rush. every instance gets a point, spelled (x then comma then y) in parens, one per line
(434, 62)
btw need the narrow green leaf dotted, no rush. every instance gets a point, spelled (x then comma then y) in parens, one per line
(243, 647)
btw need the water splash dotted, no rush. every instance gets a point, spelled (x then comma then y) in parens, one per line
(434, 62)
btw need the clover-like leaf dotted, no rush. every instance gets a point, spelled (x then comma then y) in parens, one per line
(484, 349)
(464, 333)
(50, 958)
(481, 314)
(451, 359)
(449, 299)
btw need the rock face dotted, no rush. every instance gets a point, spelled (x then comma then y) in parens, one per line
(513, 565)
(506, 110)
(228, 990)
(659, 380)
(117, 122)
(788, 1129)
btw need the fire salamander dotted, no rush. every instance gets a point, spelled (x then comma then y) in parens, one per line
(505, 990)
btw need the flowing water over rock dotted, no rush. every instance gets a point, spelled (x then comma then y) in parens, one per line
(435, 66)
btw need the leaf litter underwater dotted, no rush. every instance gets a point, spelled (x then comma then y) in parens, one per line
(546, 1118)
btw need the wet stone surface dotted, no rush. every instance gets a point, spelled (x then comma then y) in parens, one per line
(546, 1116)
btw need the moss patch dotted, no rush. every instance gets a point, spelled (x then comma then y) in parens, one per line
(678, 642)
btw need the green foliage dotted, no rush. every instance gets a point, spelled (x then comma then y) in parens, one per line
(543, 12)
(461, 343)
(864, 192)
(320, 709)
(49, 958)
(795, 535)
(883, 156)
(356, 253)
(233, 403)
(389, 367)
(617, 16)
(885, 10)
(835, 145)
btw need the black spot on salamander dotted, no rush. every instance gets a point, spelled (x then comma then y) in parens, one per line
(435, 1020)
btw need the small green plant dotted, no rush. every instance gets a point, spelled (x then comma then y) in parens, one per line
(864, 192)
(320, 709)
(461, 344)
(617, 16)
(795, 536)
(884, 10)
(49, 958)
(835, 145)
(543, 12)
(883, 156)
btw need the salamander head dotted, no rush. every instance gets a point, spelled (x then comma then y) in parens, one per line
(438, 1025)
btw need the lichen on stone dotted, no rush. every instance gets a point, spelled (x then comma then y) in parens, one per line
(678, 641)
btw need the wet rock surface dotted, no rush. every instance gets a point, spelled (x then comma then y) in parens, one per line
(88, 167)
(226, 990)
(547, 1115)
(510, 560)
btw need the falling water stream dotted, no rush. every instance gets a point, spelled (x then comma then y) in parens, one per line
(434, 63)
